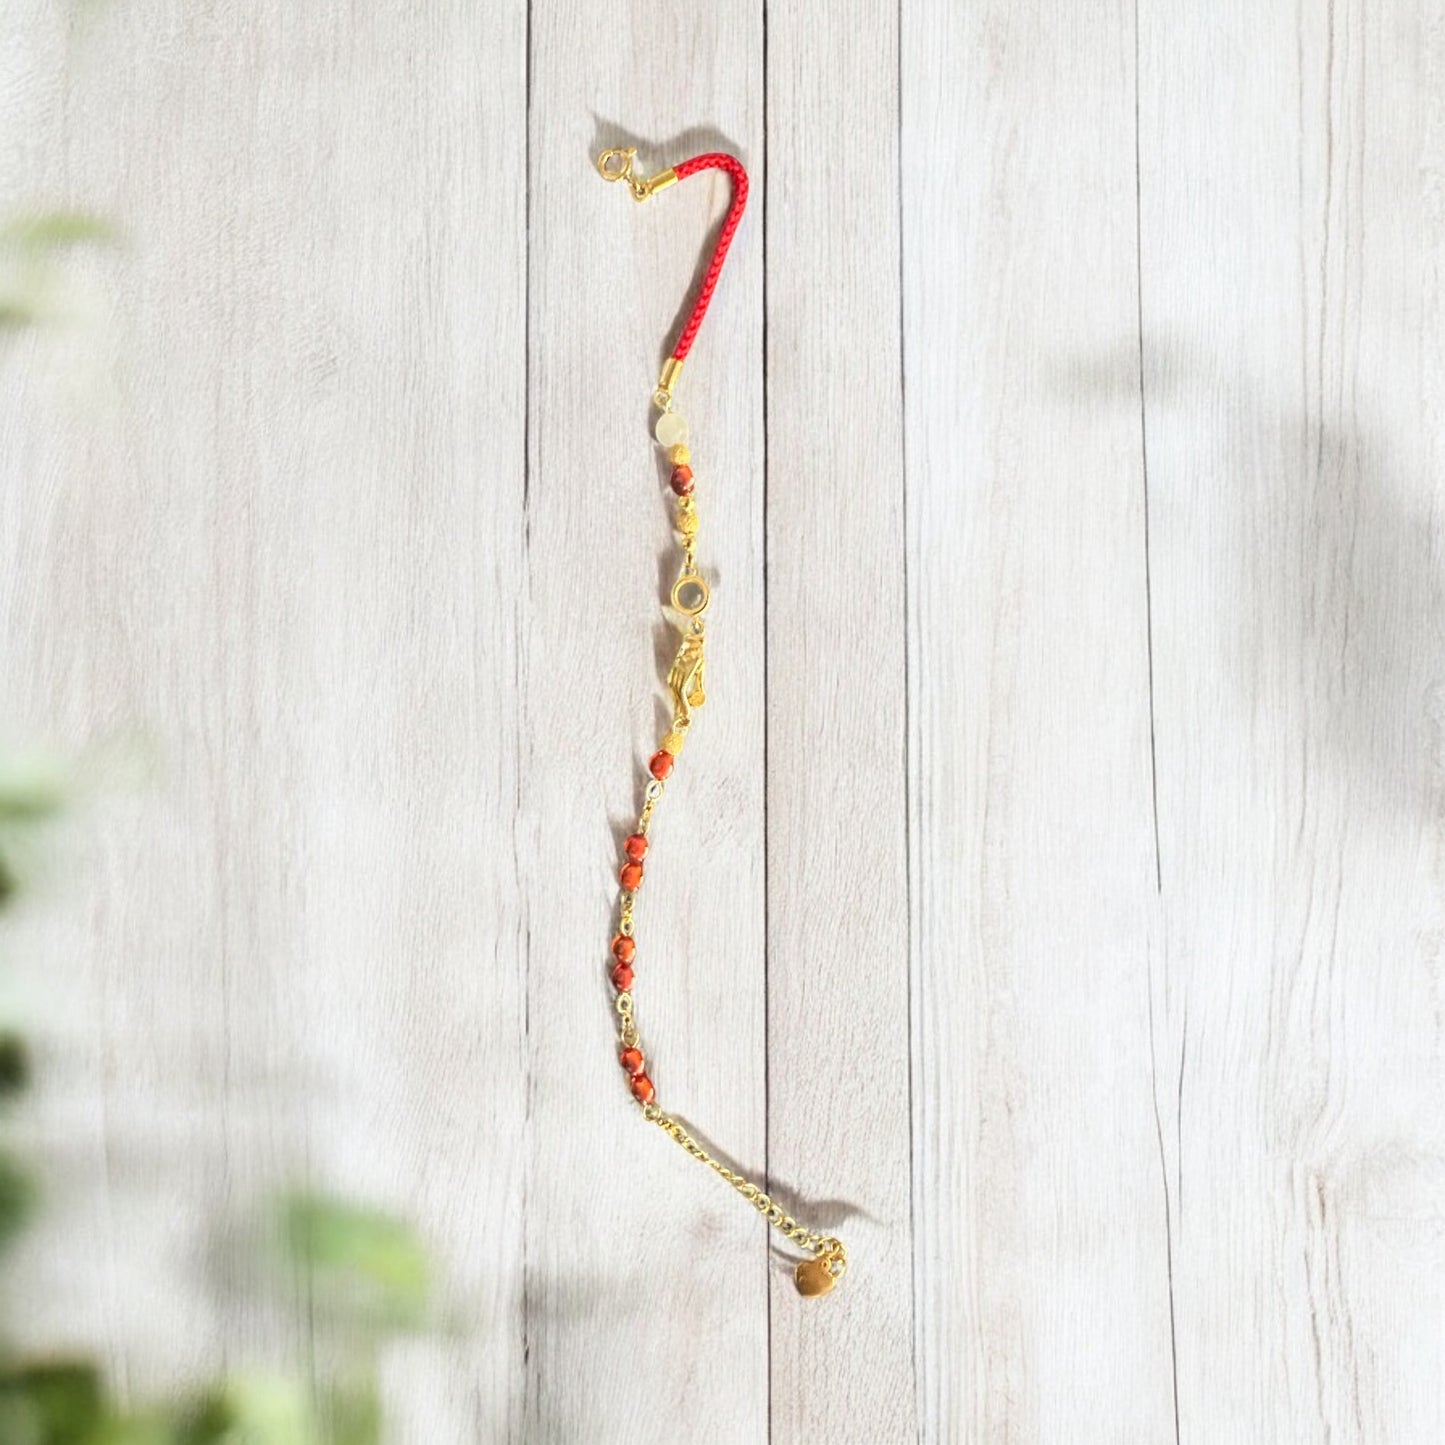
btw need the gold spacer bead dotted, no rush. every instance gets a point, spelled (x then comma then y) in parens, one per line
(672, 742)
(679, 456)
(687, 522)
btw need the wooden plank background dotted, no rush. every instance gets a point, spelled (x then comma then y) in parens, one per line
(1051, 899)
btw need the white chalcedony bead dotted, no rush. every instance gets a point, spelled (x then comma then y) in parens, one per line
(671, 429)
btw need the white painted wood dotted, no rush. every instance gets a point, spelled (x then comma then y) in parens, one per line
(1292, 241)
(267, 511)
(1069, 443)
(646, 1305)
(838, 1085)
(1042, 1259)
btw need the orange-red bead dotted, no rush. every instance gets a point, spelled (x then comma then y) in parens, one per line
(636, 847)
(642, 1089)
(682, 482)
(660, 764)
(624, 948)
(631, 875)
(631, 1060)
(622, 976)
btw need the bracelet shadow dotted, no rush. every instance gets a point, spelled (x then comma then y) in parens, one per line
(822, 1215)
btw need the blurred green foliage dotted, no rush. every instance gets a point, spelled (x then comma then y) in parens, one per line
(364, 1274)
(14, 1065)
(32, 789)
(254, 1411)
(32, 248)
(364, 1268)
(48, 230)
(17, 1200)
(50, 1404)
(32, 793)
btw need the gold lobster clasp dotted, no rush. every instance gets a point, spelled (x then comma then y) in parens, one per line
(616, 165)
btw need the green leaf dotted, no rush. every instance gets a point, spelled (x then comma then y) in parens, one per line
(17, 1199)
(14, 1059)
(253, 1410)
(143, 1429)
(356, 1416)
(364, 1266)
(32, 789)
(18, 1425)
(16, 312)
(46, 230)
(51, 1404)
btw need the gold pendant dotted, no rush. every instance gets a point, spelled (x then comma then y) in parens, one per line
(814, 1277)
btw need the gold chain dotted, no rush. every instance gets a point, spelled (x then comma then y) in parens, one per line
(814, 1241)
(830, 1255)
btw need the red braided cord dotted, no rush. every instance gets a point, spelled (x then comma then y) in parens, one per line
(715, 161)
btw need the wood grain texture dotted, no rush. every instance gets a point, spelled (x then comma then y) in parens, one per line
(645, 1309)
(1291, 245)
(1051, 895)
(1042, 1259)
(266, 510)
(838, 1089)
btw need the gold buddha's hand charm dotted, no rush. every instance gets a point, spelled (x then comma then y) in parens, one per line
(685, 680)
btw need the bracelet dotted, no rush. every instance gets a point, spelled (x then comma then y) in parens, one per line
(827, 1258)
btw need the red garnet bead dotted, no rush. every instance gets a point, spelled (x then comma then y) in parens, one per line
(642, 1089)
(631, 1060)
(682, 482)
(622, 977)
(660, 764)
(631, 876)
(624, 948)
(636, 847)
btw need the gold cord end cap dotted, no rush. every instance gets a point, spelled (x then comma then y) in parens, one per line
(667, 382)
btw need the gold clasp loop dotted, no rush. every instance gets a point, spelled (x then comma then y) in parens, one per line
(616, 165)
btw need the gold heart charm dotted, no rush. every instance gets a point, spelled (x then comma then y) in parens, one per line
(814, 1277)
